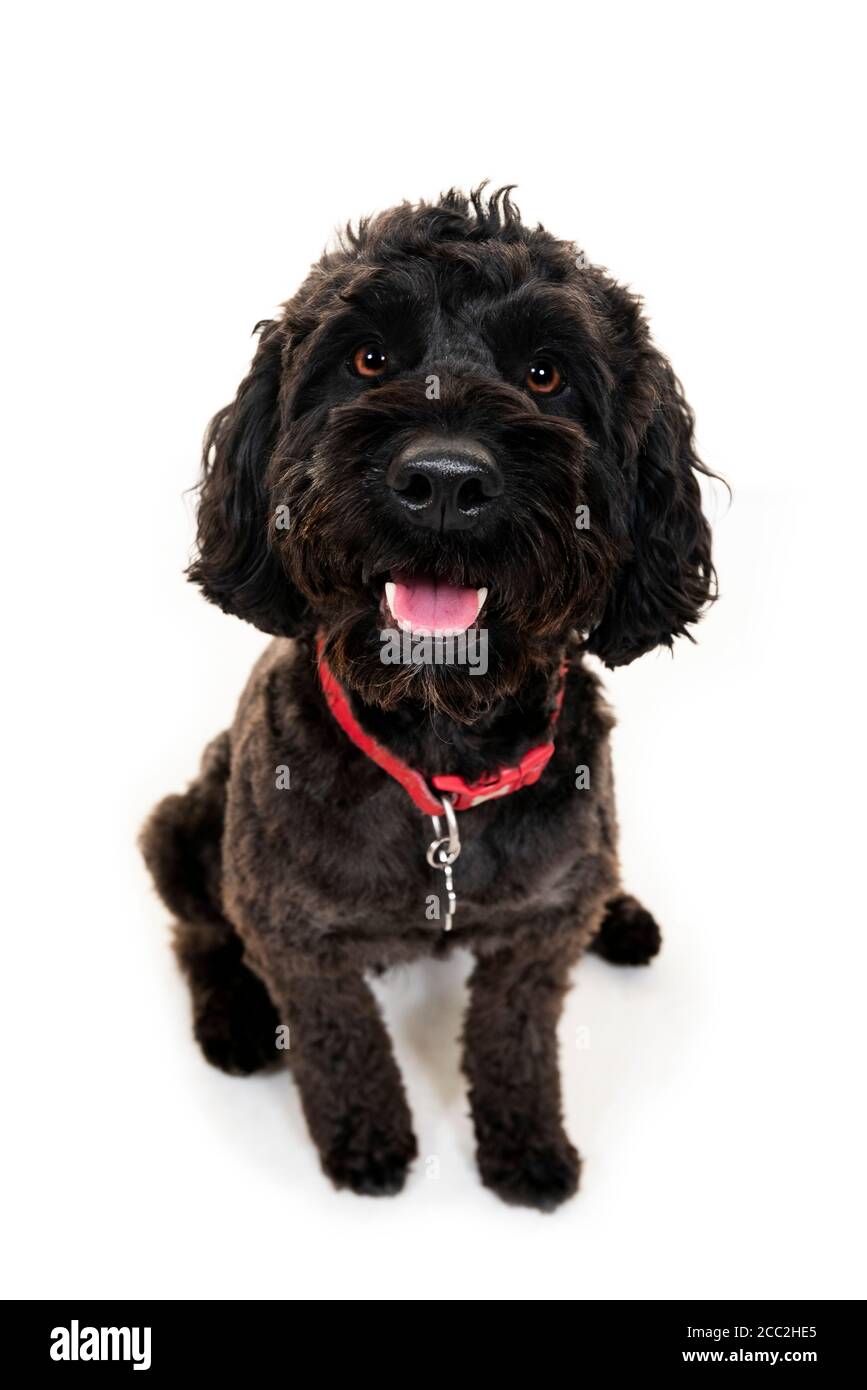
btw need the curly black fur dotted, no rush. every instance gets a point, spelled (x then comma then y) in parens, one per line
(285, 898)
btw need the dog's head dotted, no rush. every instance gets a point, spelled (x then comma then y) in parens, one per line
(456, 424)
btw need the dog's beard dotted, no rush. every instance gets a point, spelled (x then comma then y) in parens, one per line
(462, 676)
(518, 633)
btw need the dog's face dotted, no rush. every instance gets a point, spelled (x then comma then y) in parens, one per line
(456, 425)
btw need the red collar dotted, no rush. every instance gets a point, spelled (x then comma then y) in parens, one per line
(463, 795)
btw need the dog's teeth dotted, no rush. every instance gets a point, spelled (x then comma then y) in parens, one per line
(481, 595)
(389, 595)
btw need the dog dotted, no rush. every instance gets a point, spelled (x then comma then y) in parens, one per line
(456, 430)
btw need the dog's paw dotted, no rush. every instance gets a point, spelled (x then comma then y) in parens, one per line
(237, 1029)
(628, 934)
(543, 1173)
(369, 1161)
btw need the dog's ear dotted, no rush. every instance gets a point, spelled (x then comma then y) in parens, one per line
(667, 577)
(236, 564)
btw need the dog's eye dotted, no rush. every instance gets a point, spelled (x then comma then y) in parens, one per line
(543, 378)
(369, 360)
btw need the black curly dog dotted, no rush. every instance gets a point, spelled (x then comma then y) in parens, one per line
(456, 425)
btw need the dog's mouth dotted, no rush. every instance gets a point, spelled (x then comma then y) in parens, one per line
(431, 606)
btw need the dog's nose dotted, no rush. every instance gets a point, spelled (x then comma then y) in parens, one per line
(445, 487)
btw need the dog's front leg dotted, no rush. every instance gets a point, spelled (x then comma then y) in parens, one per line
(351, 1089)
(510, 1057)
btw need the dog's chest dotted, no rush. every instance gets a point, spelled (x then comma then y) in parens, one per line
(361, 865)
(323, 845)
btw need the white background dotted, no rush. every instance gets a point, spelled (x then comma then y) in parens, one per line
(172, 171)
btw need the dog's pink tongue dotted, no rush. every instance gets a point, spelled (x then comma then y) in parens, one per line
(433, 605)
